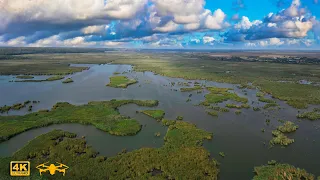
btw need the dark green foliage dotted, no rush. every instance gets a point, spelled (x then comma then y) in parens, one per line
(268, 121)
(272, 162)
(166, 122)
(27, 102)
(5, 108)
(222, 154)
(213, 113)
(69, 80)
(182, 157)
(281, 172)
(17, 106)
(121, 82)
(256, 109)
(102, 115)
(246, 86)
(156, 114)
(237, 112)
(179, 118)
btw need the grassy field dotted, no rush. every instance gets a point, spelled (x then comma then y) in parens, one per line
(121, 82)
(50, 64)
(156, 114)
(265, 75)
(181, 157)
(102, 115)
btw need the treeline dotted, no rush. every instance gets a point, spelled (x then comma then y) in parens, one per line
(284, 60)
(5, 51)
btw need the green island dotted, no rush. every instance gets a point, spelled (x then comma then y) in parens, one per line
(237, 112)
(16, 107)
(246, 86)
(213, 113)
(102, 115)
(53, 78)
(182, 156)
(195, 88)
(262, 99)
(219, 95)
(313, 115)
(25, 77)
(121, 82)
(278, 135)
(280, 138)
(246, 106)
(269, 105)
(288, 127)
(156, 114)
(69, 80)
(280, 171)
(220, 109)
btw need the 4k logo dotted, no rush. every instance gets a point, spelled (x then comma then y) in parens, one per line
(20, 168)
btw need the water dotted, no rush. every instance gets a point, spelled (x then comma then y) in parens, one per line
(238, 136)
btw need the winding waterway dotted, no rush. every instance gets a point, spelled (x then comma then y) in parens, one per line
(238, 136)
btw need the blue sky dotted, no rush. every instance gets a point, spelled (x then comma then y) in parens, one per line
(210, 24)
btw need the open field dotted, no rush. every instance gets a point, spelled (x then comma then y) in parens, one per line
(102, 115)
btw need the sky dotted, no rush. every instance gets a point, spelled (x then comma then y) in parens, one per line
(199, 24)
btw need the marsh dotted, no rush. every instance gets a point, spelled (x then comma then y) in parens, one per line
(238, 136)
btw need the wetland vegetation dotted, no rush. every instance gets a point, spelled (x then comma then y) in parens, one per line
(195, 88)
(219, 95)
(156, 114)
(53, 78)
(16, 107)
(102, 115)
(69, 80)
(288, 127)
(280, 138)
(182, 156)
(313, 115)
(281, 171)
(121, 82)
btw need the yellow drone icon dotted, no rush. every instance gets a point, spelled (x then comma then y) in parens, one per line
(52, 168)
